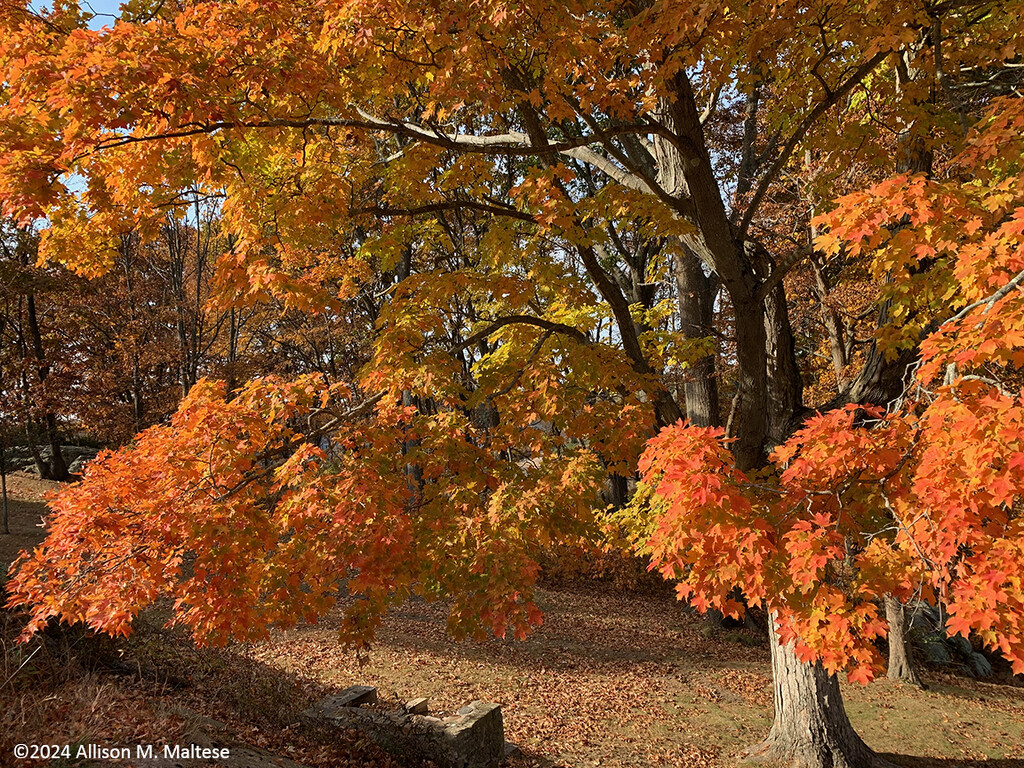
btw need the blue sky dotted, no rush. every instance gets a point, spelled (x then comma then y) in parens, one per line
(106, 10)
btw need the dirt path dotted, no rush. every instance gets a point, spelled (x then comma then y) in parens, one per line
(26, 508)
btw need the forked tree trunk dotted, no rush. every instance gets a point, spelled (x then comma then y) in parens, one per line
(811, 729)
(900, 666)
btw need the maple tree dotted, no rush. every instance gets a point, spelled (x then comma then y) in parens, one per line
(929, 492)
(498, 191)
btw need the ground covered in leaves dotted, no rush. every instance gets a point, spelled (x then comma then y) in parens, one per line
(612, 678)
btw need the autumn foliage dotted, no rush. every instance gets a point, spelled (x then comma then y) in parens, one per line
(920, 502)
(487, 200)
(185, 509)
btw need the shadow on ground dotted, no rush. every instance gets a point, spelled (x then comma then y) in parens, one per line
(944, 762)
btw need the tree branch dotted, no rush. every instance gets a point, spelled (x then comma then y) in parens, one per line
(547, 325)
(989, 301)
(511, 143)
(805, 125)
(451, 205)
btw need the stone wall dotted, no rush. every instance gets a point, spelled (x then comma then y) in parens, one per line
(472, 738)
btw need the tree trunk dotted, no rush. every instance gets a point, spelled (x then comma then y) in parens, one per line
(829, 316)
(900, 666)
(700, 389)
(125, 249)
(185, 325)
(750, 411)
(811, 729)
(137, 405)
(42, 468)
(3, 481)
(691, 170)
(785, 387)
(413, 470)
(616, 490)
(696, 310)
(58, 469)
(58, 465)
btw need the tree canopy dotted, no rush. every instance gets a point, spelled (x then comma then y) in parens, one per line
(556, 229)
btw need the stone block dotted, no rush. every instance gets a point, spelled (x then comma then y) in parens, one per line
(417, 706)
(477, 738)
(473, 738)
(353, 696)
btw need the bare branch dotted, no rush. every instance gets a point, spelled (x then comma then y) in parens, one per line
(709, 110)
(805, 125)
(624, 177)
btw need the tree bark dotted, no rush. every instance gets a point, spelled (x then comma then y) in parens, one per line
(57, 468)
(125, 249)
(900, 666)
(42, 468)
(830, 318)
(811, 724)
(811, 728)
(138, 409)
(616, 490)
(186, 323)
(3, 480)
(785, 387)
(750, 417)
(58, 465)
(686, 167)
(696, 311)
